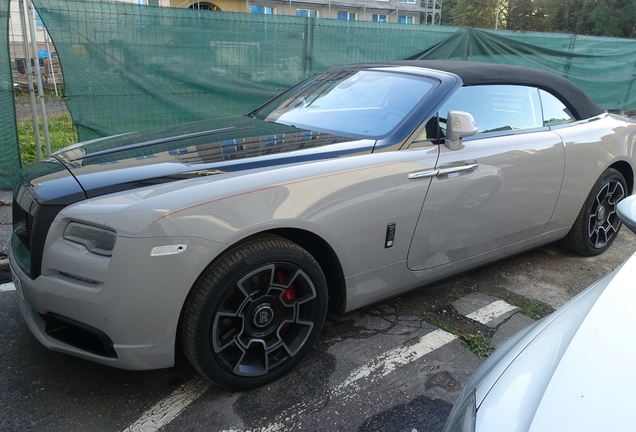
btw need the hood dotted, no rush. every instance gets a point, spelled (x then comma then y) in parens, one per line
(569, 369)
(203, 148)
(592, 387)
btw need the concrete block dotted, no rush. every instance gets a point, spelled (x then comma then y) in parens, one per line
(472, 302)
(506, 330)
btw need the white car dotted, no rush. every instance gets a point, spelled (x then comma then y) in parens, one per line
(572, 371)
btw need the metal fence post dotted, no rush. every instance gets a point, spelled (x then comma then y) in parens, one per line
(27, 60)
(45, 123)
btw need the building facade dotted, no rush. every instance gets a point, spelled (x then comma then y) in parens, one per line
(394, 11)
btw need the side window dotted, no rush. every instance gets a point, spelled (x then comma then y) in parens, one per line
(554, 111)
(497, 108)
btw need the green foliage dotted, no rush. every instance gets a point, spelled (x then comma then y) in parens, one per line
(477, 343)
(61, 131)
(522, 15)
(534, 309)
(480, 345)
(615, 18)
(475, 13)
(448, 9)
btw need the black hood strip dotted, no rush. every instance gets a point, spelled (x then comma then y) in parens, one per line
(161, 141)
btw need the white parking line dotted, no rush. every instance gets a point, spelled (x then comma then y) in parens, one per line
(169, 408)
(378, 368)
(9, 286)
(490, 312)
(390, 360)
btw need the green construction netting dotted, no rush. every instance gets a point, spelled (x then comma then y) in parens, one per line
(130, 67)
(10, 161)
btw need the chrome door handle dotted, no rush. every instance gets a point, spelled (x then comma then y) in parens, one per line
(423, 174)
(445, 169)
(457, 167)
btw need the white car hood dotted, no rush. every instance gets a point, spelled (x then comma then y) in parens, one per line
(592, 388)
(576, 374)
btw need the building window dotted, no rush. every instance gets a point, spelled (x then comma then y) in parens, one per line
(407, 1)
(349, 16)
(38, 21)
(311, 13)
(264, 10)
(379, 18)
(199, 5)
(405, 19)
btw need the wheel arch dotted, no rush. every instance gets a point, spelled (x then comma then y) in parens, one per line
(326, 257)
(317, 247)
(628, 173)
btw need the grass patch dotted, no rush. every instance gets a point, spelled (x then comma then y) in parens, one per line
(62, 133)
(480, 345)
(436, 321)
(531, 308)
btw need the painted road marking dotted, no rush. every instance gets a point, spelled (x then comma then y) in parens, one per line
(391, 360)
(491, 311)
(9, 286)
(376, 369)
(169, 408)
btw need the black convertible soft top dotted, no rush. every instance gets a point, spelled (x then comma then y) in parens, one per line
(476, 73)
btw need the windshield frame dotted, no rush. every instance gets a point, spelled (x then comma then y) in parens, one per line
(264, 112)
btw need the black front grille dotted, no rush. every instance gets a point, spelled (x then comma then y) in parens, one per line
(31, 223)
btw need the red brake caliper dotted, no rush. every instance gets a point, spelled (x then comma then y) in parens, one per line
(288, 295)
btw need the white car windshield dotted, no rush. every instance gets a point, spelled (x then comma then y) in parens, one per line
(365, 103)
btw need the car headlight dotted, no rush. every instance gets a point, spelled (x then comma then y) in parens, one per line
(462, 417)
(97, 240)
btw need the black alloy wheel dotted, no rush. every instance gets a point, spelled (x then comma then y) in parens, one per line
(597, 224)
(254, 313)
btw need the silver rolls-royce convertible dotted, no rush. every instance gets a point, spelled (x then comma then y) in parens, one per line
(233, 237)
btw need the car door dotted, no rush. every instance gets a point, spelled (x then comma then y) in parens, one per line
(500, 188)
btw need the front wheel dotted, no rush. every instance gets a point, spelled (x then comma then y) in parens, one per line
(597, 224)
(254, 313)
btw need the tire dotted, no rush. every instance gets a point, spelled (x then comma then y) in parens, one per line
(597, 224)
(254, 313)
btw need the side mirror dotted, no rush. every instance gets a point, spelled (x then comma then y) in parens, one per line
(626, 210)
(459, 124)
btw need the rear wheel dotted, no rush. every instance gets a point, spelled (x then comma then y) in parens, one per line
(597, 224)
(254, 313)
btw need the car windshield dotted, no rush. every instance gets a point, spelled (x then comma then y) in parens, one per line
(366, 104)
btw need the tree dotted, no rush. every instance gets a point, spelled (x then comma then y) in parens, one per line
(522, 15)
(615, 18)
(448, 12)
(607, 18)
(551, 15)
(475, 13)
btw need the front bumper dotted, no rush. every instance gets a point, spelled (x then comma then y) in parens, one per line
(121, 311)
